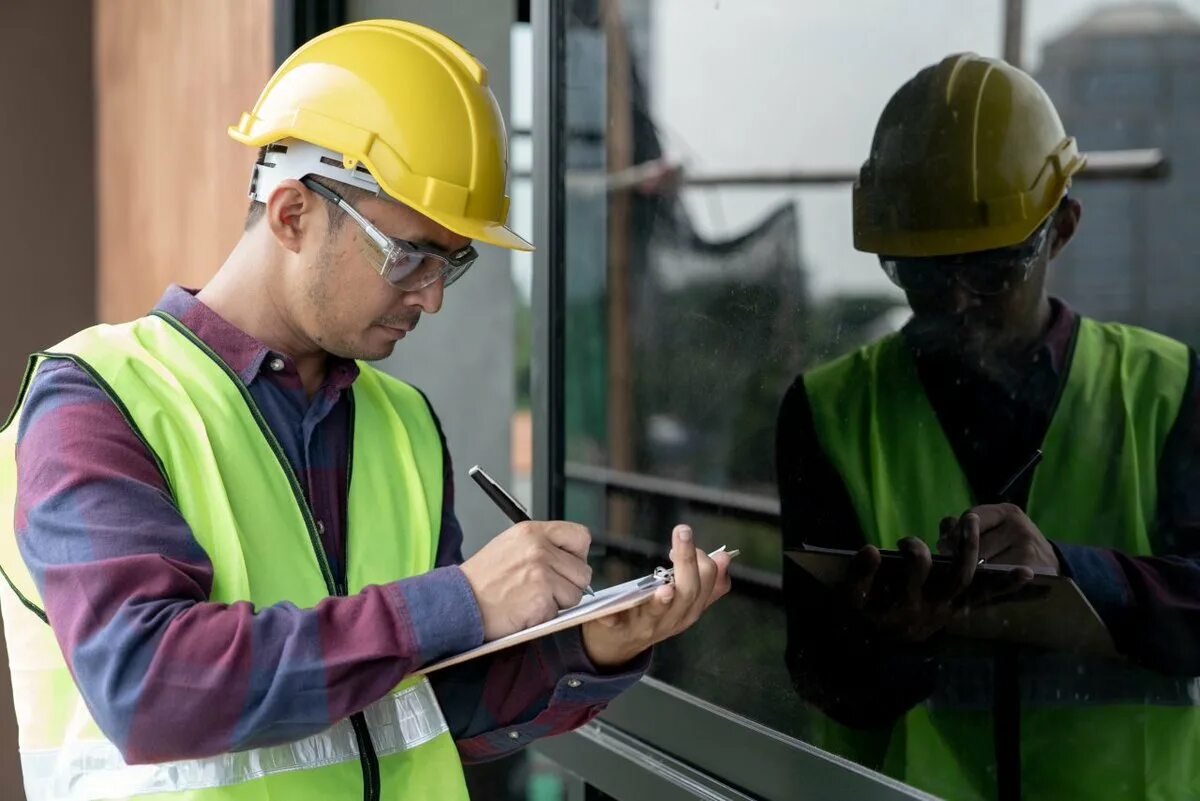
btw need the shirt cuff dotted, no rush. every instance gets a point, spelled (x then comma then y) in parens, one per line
(572, 658)
(442, 611)
(581, 692)
(1098, 576)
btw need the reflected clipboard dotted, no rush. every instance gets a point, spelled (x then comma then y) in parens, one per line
(609, 601)
(1049, 612)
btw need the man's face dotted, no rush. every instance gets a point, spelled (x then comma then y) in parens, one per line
(346, 307)
(957, 319)
(953, 316)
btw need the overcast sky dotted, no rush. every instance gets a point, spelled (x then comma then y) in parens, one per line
(799, 84)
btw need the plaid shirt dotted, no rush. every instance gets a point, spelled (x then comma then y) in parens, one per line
(170, 675)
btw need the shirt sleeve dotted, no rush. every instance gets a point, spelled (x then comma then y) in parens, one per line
(1151, 604)
(500, 703)
(167, 673)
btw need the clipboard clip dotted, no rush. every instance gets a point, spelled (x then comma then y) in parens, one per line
(666, 575)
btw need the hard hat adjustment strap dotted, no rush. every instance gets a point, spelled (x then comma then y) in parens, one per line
(292, 158)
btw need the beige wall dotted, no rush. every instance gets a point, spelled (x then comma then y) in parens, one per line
(46, 214)
(118, 177)
(171, 185)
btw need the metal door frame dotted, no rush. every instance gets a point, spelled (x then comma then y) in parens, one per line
(655, 742)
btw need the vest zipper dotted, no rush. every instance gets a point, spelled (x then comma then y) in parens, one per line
(366, 749)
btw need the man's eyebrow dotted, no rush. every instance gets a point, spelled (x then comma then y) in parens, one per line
(430, 243)
(424, 242)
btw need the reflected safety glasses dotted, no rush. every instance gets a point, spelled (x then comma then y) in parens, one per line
(405, 265)
(990, 272)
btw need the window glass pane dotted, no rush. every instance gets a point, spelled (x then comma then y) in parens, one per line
(717, 283)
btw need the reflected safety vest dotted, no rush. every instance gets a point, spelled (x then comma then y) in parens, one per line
(232, 483)
(1090, 728)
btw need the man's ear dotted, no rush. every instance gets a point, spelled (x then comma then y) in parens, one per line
(290, 211)
(1066, 222)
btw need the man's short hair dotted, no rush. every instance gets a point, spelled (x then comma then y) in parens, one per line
(352, 194)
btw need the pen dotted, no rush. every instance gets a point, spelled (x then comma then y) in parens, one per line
(1020, 474)
(507, 503)
(1017, 476)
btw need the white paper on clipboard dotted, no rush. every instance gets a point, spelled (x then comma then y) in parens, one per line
(608, 601)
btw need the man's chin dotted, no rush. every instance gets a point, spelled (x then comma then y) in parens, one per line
(374, 351)
(366, 350)
(951, 339)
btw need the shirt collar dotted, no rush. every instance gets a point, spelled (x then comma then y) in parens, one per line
(1052, 348)
(244, 354)
(1056, 342)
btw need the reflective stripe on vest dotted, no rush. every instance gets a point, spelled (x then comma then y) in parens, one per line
(246, 509)
(87, 771)
(1098, 485)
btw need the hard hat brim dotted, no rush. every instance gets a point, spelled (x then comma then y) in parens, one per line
(492, 233)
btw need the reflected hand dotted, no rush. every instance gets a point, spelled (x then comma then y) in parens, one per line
(699, 581)
(1008, 537)
(909, 612)
(916, 610)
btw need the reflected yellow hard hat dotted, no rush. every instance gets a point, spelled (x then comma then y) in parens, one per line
(409, 105)
(969, 155)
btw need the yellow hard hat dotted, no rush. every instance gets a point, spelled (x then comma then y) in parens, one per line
(969, 155)
(411, 106)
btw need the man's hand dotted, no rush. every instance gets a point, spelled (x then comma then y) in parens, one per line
(911, 611)
(699, 581)
(917, 608)
(527, 574)
(1008, 537)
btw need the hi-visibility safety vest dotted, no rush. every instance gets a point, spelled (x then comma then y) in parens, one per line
(1089, 728)
(232, 483)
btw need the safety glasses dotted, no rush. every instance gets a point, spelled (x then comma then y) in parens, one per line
(991, 272)
(405, 265)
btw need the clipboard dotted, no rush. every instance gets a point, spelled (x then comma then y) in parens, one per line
(1049, 612)
(605, 602)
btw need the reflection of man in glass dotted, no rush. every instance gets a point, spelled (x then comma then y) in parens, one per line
(964, 198)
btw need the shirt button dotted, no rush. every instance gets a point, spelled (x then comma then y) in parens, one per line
(574, 684)
(514, 735)
(276, 364)
(320, 526)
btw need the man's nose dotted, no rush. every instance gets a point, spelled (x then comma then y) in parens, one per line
(429, 298)
(957, 299)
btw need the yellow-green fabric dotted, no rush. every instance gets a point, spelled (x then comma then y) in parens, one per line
(233, 485)
(1097, 486)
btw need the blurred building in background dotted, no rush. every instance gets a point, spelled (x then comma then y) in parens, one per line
(1128, 76)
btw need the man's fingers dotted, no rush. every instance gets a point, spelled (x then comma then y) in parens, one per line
(722, 584)
(569, 566)
(966, 554)
(991, 515)
(983, 593)
(707, 569)
(571, 537)
(687, 577)
(861, 575)
(994, 542)
(918, 562)
(566, 593)
(683, 559)
(663, 598)
(946, 529)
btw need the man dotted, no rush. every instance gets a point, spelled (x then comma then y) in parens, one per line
(910, 443)
(243, 537)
